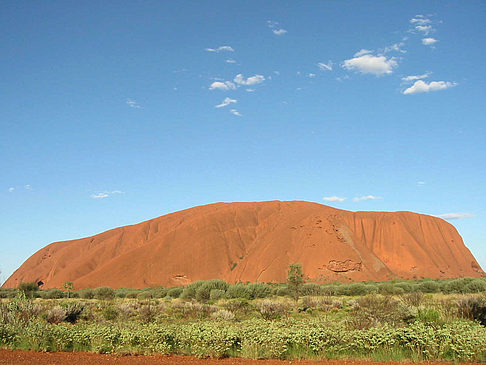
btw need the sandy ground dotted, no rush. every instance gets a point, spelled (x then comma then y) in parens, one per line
(9, 357)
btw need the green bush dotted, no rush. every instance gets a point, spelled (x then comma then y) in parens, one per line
(378, 310)
(104, 293)
(216, 294)
(473, 308)
(110, 312)
(86, 293)
(52, 294)
(476, 286)
(428, 287)
(203, 293)
(238, 291)
(311, 289)
(28, 288)
(259, 290)
(174, 292)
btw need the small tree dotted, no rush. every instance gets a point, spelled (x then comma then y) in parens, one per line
(295, 280)
(28, 288)
(68, 285)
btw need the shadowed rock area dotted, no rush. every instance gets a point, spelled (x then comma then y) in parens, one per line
(255, 242)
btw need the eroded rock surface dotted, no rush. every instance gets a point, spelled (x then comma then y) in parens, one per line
(255, 242)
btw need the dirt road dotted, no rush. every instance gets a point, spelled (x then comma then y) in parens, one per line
(9, 357)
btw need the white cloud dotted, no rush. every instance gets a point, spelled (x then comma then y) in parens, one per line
(370, 64)
(230, 60)
(133, 104)
(106, 194)
(449, 216)
(397, 47)
(235, 112)
(253, 80)
(11, 190)
(221, 49)
(325, 66)
(226, 101)
(275, 28)
(311, 75)
(333, 199)
(367, 197)
(422, 87)
(426, 29)
(250, 90)
(28, 187)
(100, 196)
(362, 52)
(415, 77)
(279, 31)
(429, 41)
(420, 19)
(218, 85)
(420, 182)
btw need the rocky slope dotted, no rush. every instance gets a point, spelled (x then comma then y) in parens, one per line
(255, 242)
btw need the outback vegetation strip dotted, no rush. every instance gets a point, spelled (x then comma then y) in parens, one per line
(215, 319)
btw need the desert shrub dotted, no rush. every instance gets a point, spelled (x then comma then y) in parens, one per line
(428, 287)
(355, 289)
(189, 291)
(238, 291)
(259, 290)
(428, 315)
(144, 295)
(282, 291)
(203, 292)
(390, 289)
(414, 299)
(407, 287)
(473, 308)
(476, 286)
(74, 311)
(193, 309)
(237, 305)
(223, 314)
(272, 309)
(86, 293)
(216, 294)
(19, 310)
(104, 293)
(148, 312)
(330, 290)
(311, 289)
(56, 314)
(158, 292)
(52, 294)
(456, 285)
(110, 312)
(28, 288)
(129, 309)
(174, 292)
(378, 310)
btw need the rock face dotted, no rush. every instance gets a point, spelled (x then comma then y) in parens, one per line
(255, 242)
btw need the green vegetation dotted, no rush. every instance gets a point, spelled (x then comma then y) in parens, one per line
(378, 321)
(295, 280)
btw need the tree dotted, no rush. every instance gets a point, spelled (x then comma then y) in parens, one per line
(68, 285)
(295, 280)
(28, 288)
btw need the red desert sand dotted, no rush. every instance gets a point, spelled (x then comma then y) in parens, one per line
(9, 357)
(255, 242)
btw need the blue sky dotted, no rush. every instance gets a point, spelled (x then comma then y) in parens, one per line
(116, 112)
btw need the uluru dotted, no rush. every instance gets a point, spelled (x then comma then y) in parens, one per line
(255, 242)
